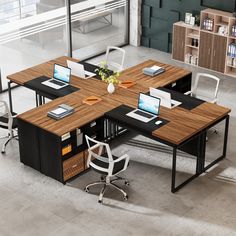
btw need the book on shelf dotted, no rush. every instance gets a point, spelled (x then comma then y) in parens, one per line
(60, 112)
(154, 70)
(232, 50)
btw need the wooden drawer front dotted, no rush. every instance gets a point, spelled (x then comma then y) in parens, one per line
(73, 166)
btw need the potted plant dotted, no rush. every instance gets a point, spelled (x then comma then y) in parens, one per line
(108, 76)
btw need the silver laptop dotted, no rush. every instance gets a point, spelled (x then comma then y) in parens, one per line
(61, 77)
(148, 108)
(78, 70)
(165, 97)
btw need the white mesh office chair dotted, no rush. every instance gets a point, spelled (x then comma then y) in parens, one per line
(113, 65)
(7, 121)
(109, 166)
(207, 96)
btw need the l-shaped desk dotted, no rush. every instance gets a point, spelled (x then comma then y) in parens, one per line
(57, 148)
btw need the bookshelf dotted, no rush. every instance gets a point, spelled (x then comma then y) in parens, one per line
(208, 46)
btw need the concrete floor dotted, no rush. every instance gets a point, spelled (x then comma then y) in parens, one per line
(33, 204)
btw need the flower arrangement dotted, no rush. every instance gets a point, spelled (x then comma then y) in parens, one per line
(107, 75)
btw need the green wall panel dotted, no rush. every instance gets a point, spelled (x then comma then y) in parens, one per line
(158, 17)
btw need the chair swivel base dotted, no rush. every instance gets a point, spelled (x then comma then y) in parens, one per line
(6, 142)
(106, 182)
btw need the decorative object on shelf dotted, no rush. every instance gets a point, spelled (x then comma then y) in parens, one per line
(197, 19)
(188, 17)
(208, 24)
(192, 21)
(194, 42)
(108, 76)
(223, 30)
(191, 59)
(233, 31)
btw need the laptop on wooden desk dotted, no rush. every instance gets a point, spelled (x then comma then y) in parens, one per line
(148, 108)
(61, 77)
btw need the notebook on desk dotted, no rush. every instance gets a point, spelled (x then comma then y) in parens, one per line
(78, 70)
(165, 97)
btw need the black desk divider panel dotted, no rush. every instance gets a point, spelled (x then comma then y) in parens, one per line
(120, 112)
(43, 90)
(188, 102)
(91, 68)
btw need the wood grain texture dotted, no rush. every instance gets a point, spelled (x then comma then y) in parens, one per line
(182, 125)
(83, 113)
(45, 68)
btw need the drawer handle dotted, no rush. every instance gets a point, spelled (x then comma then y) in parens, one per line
(74, 166)
(173, 85)
(93, 124)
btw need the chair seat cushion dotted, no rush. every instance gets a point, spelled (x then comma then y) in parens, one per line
(4, 119)
(118, 166)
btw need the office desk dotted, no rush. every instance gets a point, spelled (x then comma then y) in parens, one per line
(43, 140)
(185, 130)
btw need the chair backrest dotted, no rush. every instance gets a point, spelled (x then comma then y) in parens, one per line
(6, 114)
(113, 65)
(100, 151)
(207, 95)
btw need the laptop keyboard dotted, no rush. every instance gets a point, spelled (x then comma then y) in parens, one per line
(144, 114)
(57, 82)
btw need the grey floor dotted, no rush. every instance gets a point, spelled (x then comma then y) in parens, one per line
(33, 204)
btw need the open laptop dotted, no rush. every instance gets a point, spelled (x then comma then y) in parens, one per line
(165, 97)
(148, 108)
(78, 70)
(61, 77)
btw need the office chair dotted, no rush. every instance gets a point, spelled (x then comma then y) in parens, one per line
(212, 98)
(195, 92)
(7, 121)
(116, 66)
(102, 161)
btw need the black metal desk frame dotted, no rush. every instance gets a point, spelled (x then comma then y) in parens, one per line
(112, 132)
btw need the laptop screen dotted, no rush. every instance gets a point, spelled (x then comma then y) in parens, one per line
(149, 104)
(61, 73)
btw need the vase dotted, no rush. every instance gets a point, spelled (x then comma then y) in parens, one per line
(110, 88)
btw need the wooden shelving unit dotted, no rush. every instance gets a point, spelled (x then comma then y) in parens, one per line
(212, 48)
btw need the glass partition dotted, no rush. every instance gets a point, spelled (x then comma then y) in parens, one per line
(35, 31)
(31, 32)
(97, 24)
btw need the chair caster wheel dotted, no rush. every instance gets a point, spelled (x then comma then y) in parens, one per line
(126, 183)
(86, 190)
(3, 152)
(102, 178)
(100, 201)
(126, 197)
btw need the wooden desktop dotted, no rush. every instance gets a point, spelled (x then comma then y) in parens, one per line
(41, 138)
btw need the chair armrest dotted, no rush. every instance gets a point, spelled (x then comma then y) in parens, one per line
(125, 156)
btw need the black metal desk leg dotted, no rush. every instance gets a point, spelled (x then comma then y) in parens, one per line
(36, 99)
(10, 96)
(173, 190)
(226, 136)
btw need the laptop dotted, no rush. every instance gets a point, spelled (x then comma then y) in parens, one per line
(78, 70)
(148, 108)
(61, 77)
(165, 97)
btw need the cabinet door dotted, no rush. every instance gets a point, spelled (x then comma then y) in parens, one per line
(205, 49)
(179, 34)
(219, 53)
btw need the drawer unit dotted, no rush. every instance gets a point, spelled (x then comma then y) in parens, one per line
(73, 166)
